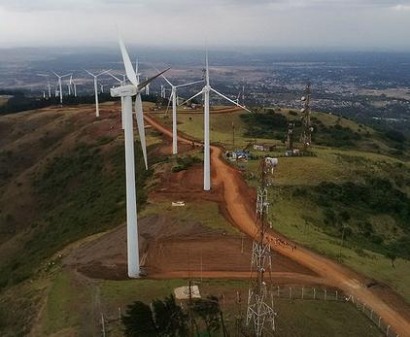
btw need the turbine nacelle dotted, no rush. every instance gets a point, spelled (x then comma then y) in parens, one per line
(123, 91)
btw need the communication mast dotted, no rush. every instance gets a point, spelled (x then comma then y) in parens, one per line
(306, 135)
(260, 316)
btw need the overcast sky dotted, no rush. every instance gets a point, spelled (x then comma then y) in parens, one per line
(313, 24)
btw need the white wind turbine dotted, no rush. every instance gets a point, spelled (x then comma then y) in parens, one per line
(69, 84)
(174, 99)
(48, 83)
(74, 87)
(126, 92)
(207, 152)
(97, 109)
(60, 89)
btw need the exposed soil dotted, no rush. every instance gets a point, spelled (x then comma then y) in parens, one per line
(168, 251)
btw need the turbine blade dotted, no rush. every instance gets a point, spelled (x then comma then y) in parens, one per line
(129, 69)
(148, 81)
(187, 100)
(90, 73)
(167, 80)
(114, 77)
(230, 100)
(104, 72)
(141, 127)
(206, 67)
(156, 69)
(169, 103)
(186, 84)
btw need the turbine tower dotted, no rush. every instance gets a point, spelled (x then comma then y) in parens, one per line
(207, 89)
(174, 99)
(126, 92)
(260, 316)
(60, 89)
(97, 109)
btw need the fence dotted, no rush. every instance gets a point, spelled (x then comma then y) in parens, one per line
(374, 317)
(309, 293)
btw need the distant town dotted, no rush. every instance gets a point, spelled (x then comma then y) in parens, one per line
(370, 87)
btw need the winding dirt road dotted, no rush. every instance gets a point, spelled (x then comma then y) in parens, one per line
(242, 214)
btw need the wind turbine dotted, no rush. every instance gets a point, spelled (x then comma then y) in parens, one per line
(48, 83)
(60, 89)
(126, 92)
(74, 87)
(97, 110)
(207, 89)
(69, 84)
(174, 98)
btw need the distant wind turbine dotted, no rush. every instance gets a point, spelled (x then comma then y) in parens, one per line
(60, 89)
(174, 99)
(97, 109)
(126, 92)
(207, 89)
(70, 84)
(48, 83)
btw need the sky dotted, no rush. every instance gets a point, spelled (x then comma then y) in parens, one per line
(306, 24)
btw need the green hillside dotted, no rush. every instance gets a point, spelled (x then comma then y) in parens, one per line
(61, 179)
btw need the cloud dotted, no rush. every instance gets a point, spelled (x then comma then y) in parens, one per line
(401, 8)
(52, 5)
(270, 23)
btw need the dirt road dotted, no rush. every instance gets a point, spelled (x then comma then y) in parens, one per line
(236, 202)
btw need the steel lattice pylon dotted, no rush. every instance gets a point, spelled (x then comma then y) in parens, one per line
(260, 316)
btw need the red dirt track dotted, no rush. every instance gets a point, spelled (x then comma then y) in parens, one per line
(238, 200)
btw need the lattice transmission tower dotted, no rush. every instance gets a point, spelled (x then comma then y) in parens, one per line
(306, 135)
(260, 316)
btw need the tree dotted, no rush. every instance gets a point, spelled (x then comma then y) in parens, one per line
(138, 321)
(209, 311)
(169, 317)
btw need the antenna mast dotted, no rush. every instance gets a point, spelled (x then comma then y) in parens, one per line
(260, 317)
(306, 136)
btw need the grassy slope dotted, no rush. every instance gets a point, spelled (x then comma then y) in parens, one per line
(66, 182)
(338, 165)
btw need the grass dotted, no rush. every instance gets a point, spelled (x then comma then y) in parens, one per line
(62, 304)
(295, 317)
(204, 212)
(289, 220)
